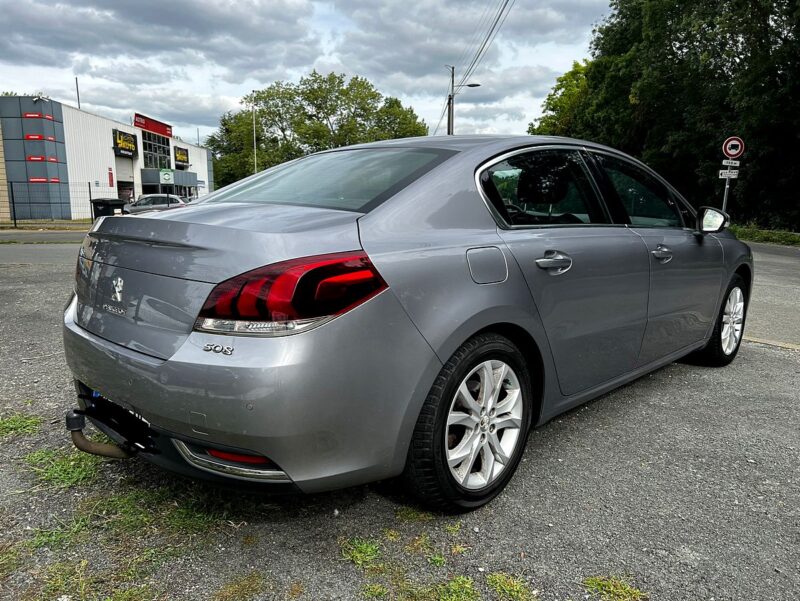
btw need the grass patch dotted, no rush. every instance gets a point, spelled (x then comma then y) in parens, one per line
(63, 536)
(63, 469)
(611, 588)
(459, 588)
(9, 560)
(136, 593)
(296, 589)
(509, 588)
(69, 579)
(242, 588)
(375, 591)
(436, 559)
(19, 423)
(409, 514)
(391, 534)
(420, 545)
(751, 233)
(360, 551)
(458, 549)
(453, 528)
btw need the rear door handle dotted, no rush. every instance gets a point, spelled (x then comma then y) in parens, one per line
(555, 261)
(662, 253)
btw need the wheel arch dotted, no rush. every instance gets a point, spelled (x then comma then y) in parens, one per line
(532, 355)
(746, 273)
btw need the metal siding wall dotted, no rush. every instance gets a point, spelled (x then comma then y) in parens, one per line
(89, 146)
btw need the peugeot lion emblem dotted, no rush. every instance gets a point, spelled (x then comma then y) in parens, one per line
(118, 283)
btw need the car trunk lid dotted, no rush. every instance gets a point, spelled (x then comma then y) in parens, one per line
(142, 280)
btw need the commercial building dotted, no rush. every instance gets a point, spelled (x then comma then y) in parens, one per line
(54, 158)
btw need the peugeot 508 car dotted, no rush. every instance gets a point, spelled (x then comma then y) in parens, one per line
(405, 308)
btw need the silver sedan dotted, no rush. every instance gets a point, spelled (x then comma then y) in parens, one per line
(408, 308)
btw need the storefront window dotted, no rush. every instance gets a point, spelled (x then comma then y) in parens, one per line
(156, 151)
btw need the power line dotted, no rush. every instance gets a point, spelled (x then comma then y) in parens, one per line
(499, 20)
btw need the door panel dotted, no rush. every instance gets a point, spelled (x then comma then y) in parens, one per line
(594, 312)
(684, 286)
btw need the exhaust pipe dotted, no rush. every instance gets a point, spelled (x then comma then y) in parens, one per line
(76, 422)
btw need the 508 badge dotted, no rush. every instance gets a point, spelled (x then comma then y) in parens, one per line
(218, 348)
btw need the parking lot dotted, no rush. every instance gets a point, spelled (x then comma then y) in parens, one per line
(684, 483)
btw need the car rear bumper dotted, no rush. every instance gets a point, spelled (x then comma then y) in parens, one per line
(332, 407)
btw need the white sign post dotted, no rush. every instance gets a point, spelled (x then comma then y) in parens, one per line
(732, 148)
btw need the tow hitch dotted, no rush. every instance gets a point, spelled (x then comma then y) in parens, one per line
(76, 422)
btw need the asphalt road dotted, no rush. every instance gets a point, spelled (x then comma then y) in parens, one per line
(685, 482)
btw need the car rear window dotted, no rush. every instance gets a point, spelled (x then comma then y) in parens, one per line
(350, 180)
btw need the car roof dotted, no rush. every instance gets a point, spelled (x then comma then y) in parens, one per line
(492, 143)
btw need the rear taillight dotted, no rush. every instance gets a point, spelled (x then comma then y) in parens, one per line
(290, 296)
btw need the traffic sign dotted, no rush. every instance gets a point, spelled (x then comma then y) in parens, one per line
(733, 147)
(729, 174)
(730, 163)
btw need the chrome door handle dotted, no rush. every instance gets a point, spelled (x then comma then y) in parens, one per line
(662, 253)
(556, 261)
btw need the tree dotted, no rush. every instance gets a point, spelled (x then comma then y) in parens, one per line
(670, 80)
(317, 113)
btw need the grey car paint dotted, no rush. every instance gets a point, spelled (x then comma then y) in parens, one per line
(336, 405)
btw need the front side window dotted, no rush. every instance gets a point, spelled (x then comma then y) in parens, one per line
(348, 180)
(543, 187)
(646, 200)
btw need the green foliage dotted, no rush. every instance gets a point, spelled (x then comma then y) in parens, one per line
(410, 514)
(63, 469)
(361, 552)
(9, 560)
(751, 233)
(670, 80)
(317, 113)
(19, 423)
(375, 591)
(509, 588)
(610, 588)
(459, 588)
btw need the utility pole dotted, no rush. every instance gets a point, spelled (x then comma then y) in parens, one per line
(451, 97)
(255, 156)
(78, 93)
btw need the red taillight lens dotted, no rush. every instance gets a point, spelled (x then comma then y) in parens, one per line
(290, 296)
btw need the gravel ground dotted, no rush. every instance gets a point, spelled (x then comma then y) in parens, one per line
(686, 483)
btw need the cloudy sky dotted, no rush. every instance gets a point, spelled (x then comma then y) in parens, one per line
(186, 62)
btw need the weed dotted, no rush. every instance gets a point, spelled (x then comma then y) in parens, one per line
(453, 528)
(361, 552)
(375, 591)
(242, 588)
(296, 589)
(62, 536)
(509, 588)
(69, 579)
(409, 514)
(420, 544)
(136, 593)
(611, 588)
(391, 535)
(458, 549)
(9, 560)
(19, 423)
(459, 588)
(436, 559)
(63, 469)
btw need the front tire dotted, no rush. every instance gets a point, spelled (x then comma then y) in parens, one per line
(726, 338)
(473, 426)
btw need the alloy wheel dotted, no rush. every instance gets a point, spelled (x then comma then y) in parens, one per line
(484, 424)
(732, 321)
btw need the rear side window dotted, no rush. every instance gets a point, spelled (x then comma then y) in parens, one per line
(646, 200)
(350, 180)
(543, 187)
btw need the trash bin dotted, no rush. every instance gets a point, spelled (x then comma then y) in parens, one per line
(103, 207)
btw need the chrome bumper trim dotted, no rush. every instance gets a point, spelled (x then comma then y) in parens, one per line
(215, 467)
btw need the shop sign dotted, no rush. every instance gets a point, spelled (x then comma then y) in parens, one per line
(125, 144)
(157, 127)
(181, 156)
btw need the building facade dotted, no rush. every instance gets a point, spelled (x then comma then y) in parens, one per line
(55, 158)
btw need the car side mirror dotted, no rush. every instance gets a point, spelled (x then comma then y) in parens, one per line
(711, 220)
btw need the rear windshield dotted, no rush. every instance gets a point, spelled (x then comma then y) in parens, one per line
(350, 180)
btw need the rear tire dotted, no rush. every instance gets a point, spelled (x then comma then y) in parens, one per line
(724, 344)
(489, 429)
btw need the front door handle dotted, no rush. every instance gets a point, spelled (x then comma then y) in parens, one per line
(555, 261)
(662, 253)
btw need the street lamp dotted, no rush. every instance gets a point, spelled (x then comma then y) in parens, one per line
(255, 156)
(451, 97)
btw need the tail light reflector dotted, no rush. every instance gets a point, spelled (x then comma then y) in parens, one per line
(291, 296)
(238, 457)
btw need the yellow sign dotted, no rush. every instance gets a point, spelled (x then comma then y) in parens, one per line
(181, 156)
(124, 144)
